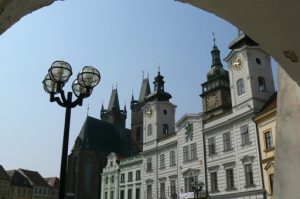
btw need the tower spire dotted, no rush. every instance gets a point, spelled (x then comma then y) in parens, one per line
(215, 53)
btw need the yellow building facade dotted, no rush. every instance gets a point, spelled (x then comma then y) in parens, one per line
(266, 124)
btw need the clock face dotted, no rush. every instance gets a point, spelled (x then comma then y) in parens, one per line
(212, 101)
(237, 64)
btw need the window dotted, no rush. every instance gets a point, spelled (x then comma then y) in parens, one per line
(106, 180)
(211, 146)
(226, 141)
(149, 129)
(229, 178)
(194, 151)
(112, 180)
(271, 177)
(130, 177)
(188, 183)
(149, 191)
(106, 195)
(214, 181)
(258, 61)
(162, 161)
(112, 195)
(138, 134)
(249, 175)
(111, 163)
(268, 140)
(165, 112)
(245, 135)
(172, 158)
(137, 193)
(129, 194)
(122, 195)
(149, 164)
(122, 177)
(165, 129)
(185, 153)
(138, 175)
(262, 84)
(240, 86)
(162, 190)
(173, 188)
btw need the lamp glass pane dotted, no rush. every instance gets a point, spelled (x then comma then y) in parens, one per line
(60, 71)
(89, 77)
(79, 90)
(49, 85)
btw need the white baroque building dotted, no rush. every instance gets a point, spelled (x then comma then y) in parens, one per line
(217, 149)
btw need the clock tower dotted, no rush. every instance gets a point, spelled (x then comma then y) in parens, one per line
(216, 98)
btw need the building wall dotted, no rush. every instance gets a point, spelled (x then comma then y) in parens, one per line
(267, 123)
(111, 171)
(18, 192)
(131, 165)
(4, 188)
(41, 192)
(191, 167)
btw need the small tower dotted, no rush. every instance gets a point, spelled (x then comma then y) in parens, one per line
(137, 115)
(158, 113)
(113, 114)
(250, 72)
(215, 95)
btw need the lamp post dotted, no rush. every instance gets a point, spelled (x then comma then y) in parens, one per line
(197, 188)
(58, 74)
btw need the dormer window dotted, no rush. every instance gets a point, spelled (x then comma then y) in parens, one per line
(240, 86)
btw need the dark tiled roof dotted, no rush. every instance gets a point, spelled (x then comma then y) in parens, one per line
(242, 40)
(53, 182)
(17, 179)
(114, 100)
(145, 90)
(3, 174)
(105, 137)
(34, 177)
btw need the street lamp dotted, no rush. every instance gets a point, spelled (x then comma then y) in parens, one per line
(197, 188)
(58, 74)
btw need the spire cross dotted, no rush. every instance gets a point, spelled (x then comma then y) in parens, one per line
(214, 37)
(88, 108)
(143, 72)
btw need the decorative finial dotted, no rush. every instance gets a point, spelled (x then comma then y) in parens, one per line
(147, 74)
(112, 87)
(88, 108)
(116, 85)
(143, 72)
(214, 38)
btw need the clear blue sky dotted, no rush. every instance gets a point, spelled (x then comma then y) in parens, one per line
(121, 39)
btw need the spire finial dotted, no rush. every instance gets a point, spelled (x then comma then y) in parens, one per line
(88, 108)
(214, 38)
(143, 72)
(147, 74)
(116, 84)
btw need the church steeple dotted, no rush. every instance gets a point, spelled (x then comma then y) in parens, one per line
(145, 90)
(215, 91)
(113, 114)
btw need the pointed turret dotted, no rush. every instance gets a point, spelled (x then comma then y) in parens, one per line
(145, 90)
(113, 114)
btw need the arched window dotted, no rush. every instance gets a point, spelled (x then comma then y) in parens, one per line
(262, 84)
(149, 130)
(165, 129)
(138, 134)
(240, 86)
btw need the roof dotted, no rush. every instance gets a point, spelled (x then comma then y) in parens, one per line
(271, 103)
(17, 179)
(145, 90)
(105, 137)
(34, 178)
(268, 109)
(53, 182)
(242, 40)
(114, 100)
(3, 174)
